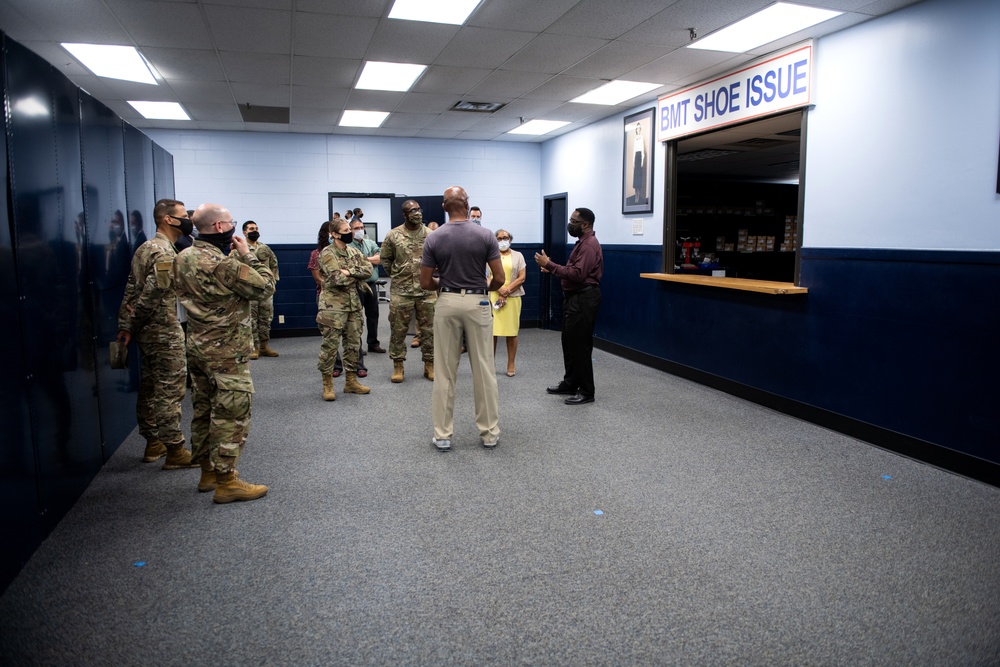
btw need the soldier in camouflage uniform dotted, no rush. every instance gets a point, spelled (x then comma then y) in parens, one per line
(401, 252)
(262, 312)
(217, 290)
(148, 313)
(344, 270)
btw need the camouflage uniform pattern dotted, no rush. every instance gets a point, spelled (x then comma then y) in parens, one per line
(402, 250)
(216, 291)
(340, 313)
(154, 326)
(262, 312)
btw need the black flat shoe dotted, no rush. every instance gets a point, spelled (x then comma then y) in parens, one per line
(561, 389)
(579, 399)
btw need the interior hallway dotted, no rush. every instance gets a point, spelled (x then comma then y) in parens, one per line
(667, 524)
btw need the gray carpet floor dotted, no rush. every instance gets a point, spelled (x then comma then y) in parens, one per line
(665, 524)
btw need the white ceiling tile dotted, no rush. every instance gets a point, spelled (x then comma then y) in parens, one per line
(303, 116)
(437, 134)
(87, 21)
(676, 64)
(332, 36)
(527, 108)
(167, 24)
(370, 8)
(504, 84)
(257, 67)
(482, 47)
(615, 59)
(495, 124)
(332, 72)
(478, 135)
(425, 103)
(527, 15)
(409, 41)
(414, 121)
(213, 112)
(553, 53)
(563, 88)
(263, 94)
(249, 30)
(454, 80)
(374, 100)
(605, 19)
(191, 64)
(454, 120)
(203, 91)
(318, 97)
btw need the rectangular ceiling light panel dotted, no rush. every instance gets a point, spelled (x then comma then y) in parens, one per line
(389, 76)
(615, 92)
(160, 110)
(769, 24)
(355, 118)
(452, 12)
(113, 62)
(539, 127)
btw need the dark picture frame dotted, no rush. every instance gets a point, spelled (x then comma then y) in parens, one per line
(637, 162)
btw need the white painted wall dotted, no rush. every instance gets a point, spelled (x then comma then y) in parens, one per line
(282, 180)
(587, 165)
(902, 145)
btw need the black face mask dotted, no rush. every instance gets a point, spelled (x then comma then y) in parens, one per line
(221, 241)
(347, 238)
(575, 231)
(186, 226)
(253, 236)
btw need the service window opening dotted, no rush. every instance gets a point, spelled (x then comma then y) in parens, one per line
(735, 208)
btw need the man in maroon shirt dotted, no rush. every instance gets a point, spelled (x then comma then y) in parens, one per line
(581, 285)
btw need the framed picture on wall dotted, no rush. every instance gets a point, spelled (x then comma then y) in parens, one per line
(637, 165)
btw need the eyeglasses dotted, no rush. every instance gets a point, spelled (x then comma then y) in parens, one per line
(413, 210)
(503, 238)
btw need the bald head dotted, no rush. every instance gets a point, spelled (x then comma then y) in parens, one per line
(206, 215)
(456, 203)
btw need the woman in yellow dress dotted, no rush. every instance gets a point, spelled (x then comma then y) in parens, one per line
(507, 300)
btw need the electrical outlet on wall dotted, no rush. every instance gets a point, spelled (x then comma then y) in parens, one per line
(281, 319)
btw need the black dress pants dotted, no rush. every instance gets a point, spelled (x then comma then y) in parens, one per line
(579, 316)
(370, 304)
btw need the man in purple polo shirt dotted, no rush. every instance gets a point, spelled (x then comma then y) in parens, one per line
(581, 285)
(459, 252)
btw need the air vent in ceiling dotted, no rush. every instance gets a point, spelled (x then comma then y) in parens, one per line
(258, 114)
(478, 107)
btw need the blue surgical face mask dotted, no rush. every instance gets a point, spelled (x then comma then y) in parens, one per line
(504, 244)
(359, 234)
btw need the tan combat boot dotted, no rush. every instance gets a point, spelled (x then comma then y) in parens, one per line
(266, 351)
(178, 457)
(207, 481)
(352, 386)
(154, 451)
(328, 393)
(429, 370)
(397, 370)
(255, 354)
(229, 487)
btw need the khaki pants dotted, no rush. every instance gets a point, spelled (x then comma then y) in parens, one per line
(472, 315)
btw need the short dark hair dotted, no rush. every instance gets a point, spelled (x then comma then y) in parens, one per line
(163, 208)
(586, 214)
(475, 208)
(356, 211)
(247, 224)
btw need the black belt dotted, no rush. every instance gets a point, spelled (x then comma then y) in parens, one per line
(455, 290)
(583, 289)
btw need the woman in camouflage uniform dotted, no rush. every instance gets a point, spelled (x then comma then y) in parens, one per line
(344, 271)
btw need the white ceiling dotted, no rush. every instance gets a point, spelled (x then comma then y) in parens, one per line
(532, 55)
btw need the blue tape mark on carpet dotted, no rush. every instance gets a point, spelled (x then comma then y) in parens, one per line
(599, 512)
(886, 476)
(139, 563)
